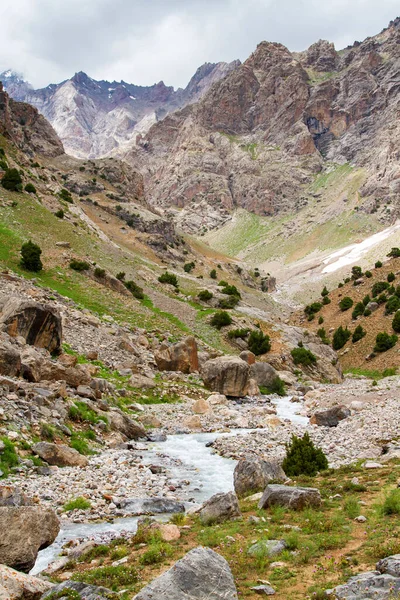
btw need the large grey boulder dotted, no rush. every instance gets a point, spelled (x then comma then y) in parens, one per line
(253, 475)
(296, 498)
(59, 455)
(24, 531)
(84, 590)
(201, 574)
(149, 506)
(331, 416)
(263, 373)
(367, 585)
(18, 586)
(39, 324)
(130, 428)
(228, 375)
(219, 508)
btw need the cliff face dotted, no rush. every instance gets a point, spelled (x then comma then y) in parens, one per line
(94, 118)
(259, 136)
(28, 129)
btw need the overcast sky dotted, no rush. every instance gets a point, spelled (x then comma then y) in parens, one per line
(145, 41)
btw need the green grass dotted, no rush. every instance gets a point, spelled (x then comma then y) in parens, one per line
(77, 504)
(371, 373)
(8, 457)
(110, 577)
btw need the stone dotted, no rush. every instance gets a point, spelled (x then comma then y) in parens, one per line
(295, 498)
(181, 357)
(248, 357)
(268, 547)
(263, 373)
(200, 574)
(12, 496)
(200, 407)
(10, 360)
(24, 531)
(84, 590)
(169, 532)
(367, 585)
(121, 422)
(141, 381)
(193, 422)
(372, 465)
(330, 417)
(228, 375)
(264, 590)
(59, 455)
(19, 586)
(253, 389)
(253, 475)
(361, 519)
(219, 508)
(217, 400)
(39, 324)
(148, 506)
(389, 565)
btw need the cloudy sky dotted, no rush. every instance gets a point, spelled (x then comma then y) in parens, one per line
(144, 41)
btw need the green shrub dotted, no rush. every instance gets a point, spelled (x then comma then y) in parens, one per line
(239, 333)
(12, 180)
(340, 284)
(303, 356)
(384, 342)
(169, 278)
(320, 320)
(396, 322)
(213, 274)
(394, 253)
(135, 289)
(229, 302)
(379, 287)
(356, 273)
(392, 305)
(313, 308)
(79, 265)
(391, 277)
(79, 503)
(391, 504)
(80, 445)
(156, 553)
(345, 303)
(66, 196)
(8, 457)
(59, 214)
(378, 264)
(47, 432)
(358, 334)
(302, 458)
(358, 310)
(324, 292)
(111, 577)
(366, 299)
(258, 342)
(121, 276)
(80, 411)
(221, 319)
(188, 267)
(367, 312)
(205, 295)
(368, 274)
(231, 290)
(381, 299)
(326, 300)
(30, 257)
(223, 283)
(3, 164)
(30, 188)
(340, 338)
(100, 273)
(276, 387)
(321, 333)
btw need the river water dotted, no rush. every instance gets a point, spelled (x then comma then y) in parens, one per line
(192, 460)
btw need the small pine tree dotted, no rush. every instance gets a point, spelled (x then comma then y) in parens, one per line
(378, 264)
(391, 277)
(384, 342)
(358, 334)
(30, 188)
(30, 257)
(259, 343)
(303, 458)
(346, 303)
(396, 322)
(170, 278)
(340, 337)
(358, 310)
(221, 319)
(213, 274)
(325, 292)
(303, 356)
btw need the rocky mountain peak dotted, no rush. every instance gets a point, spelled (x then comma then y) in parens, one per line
(321, 56)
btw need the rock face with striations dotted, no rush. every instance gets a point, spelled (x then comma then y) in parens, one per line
(253, 475)
(18, 586)
(227, 375)
(178, 357)
(39, 324)
(59, 455)
(24, 531)
(201, 573)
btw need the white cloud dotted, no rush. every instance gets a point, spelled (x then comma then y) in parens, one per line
(144, 41)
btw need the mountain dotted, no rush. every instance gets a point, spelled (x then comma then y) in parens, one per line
(93, 118)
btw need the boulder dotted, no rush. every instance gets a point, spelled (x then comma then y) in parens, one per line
(148, 506)
(290, 497)
(220, 507)
(84, 591)
(39, 324)
(367, 585)
(200, 574)
(330, 417)
(248, 357)
(181, 357)
(130, 428)
(263, 373)
(193, 422)
(228, 375)
(268, 547)
(200, 407)
(59, 455)
(389, 565)
(253, 475)
(169, 532)
(24, 531)
(217, 400)
(10, 360)
(18, 586)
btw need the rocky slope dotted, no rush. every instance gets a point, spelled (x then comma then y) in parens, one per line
(92, 118)
(258, 139)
